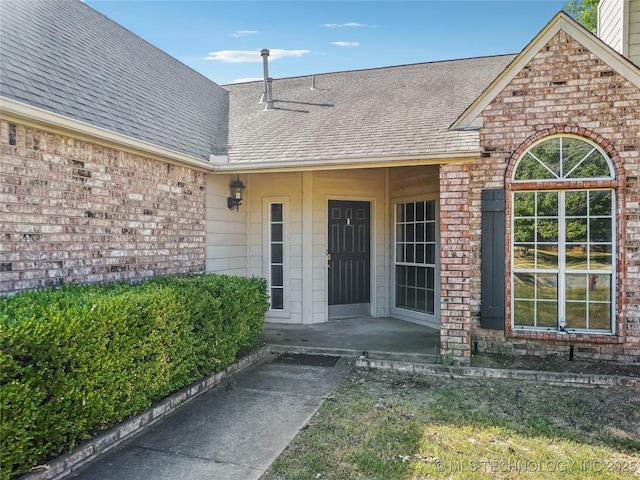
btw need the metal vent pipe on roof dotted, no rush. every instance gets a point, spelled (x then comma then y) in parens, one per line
(265, 62)
(269, 105)
(313, 82)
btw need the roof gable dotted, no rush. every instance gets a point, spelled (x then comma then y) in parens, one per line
(469, 119)
(66, 58)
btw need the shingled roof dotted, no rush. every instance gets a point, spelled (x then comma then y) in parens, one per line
(382, 113)
(67, 58)
(64, 57)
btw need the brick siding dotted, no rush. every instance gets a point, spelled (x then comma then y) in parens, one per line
(565, 89)
(77, 212)
(455, 320)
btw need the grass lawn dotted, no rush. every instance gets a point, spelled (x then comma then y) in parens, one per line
(389, 425)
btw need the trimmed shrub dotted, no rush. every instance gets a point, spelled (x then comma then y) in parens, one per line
(78, 360)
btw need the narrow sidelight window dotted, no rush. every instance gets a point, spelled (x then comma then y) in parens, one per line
(276, 256)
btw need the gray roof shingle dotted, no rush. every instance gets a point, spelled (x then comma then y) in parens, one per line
(383, 112)
(67, 58)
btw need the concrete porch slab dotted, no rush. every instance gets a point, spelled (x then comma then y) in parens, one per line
(381, 338)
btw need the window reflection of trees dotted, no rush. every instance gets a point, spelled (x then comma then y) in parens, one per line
(562, 158)
(563, 239)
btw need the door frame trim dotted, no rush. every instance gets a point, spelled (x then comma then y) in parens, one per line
(373, 250)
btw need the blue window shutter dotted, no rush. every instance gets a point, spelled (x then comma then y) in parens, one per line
(493, 259)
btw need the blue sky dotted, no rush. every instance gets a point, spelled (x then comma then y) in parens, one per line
(222, 39)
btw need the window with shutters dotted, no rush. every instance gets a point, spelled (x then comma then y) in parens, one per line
(563, 239)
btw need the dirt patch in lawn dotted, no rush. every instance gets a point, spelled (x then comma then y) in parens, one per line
(553, 363)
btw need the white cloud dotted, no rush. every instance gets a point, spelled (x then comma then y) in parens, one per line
(244, 33)
(235, 56)
(275, 54)
(350, 24)
(248, 79)
(252, 56)
(346, 44)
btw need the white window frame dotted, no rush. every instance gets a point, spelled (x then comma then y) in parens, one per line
(562, 271)
(612, 174)
(285, 312)
(432, 320)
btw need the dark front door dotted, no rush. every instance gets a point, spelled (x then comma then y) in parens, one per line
(349, 258)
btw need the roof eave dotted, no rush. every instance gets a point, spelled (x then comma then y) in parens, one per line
(12, 110)
(561, 21)
(466, 156)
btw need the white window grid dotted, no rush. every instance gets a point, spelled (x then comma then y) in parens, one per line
(563, 271)
(276, 280)
(405, 242)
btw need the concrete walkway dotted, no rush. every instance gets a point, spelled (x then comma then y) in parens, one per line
(238, 428)
(234, 431)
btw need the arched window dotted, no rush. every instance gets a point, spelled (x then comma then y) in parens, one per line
(563, 238)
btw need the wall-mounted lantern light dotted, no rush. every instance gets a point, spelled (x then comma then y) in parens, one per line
(237, 188)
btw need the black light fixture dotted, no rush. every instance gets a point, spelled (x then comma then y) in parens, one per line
(237, 188)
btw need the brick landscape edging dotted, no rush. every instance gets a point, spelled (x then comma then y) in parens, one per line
(65, 465)
(582, 379)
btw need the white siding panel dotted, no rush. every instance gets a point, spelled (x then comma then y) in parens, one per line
(255, 264)
(296, 261)
(319, 245)
(226, 266)
(619, 26)
(284, 188)
(611, 23)
(634, 31)
(226, 251)
(634, 50)
(296, 218)
(226, 230)
(296, 296)
(319, 229)
(226, 239)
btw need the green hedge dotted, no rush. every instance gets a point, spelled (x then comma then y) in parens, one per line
(78, 360)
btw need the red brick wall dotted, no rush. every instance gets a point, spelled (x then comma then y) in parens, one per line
(567, 89)
(454, 263)
(77, 212)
